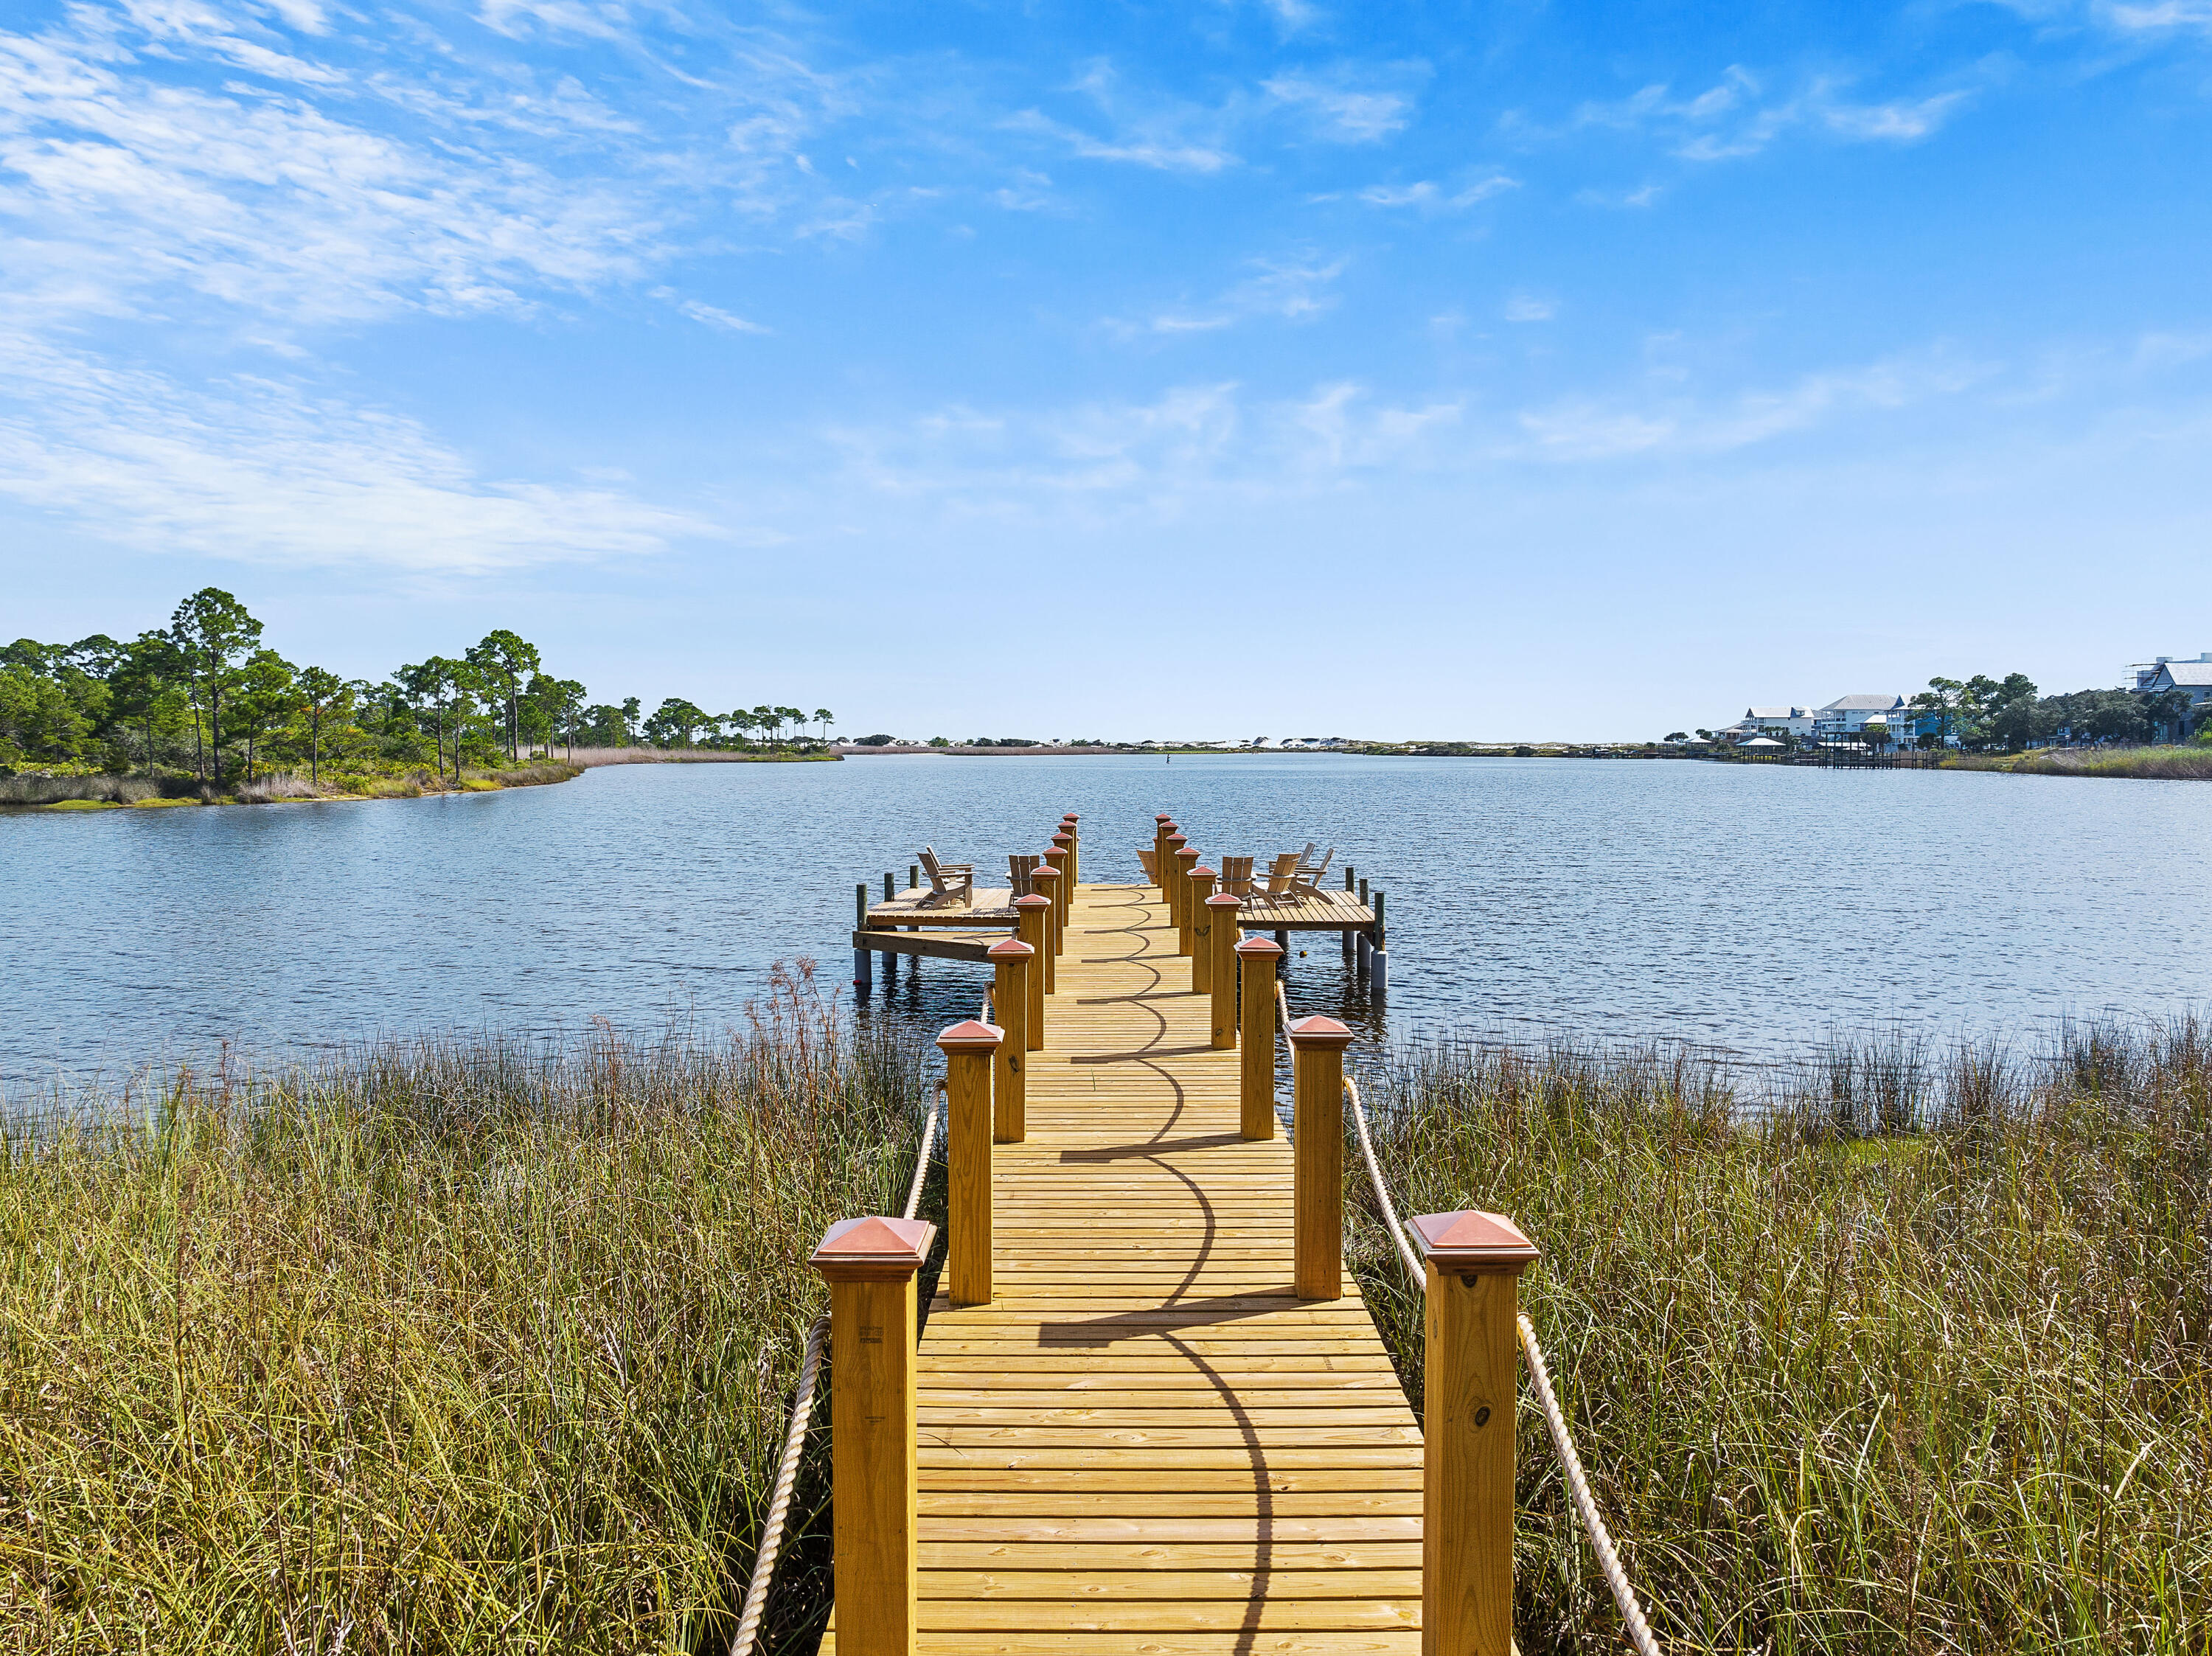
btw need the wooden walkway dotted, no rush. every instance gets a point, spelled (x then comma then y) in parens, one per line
(1145, 1443)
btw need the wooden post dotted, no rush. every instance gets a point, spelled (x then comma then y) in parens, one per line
(1222, 908)
(1163, 826)
(863, 968)
(1186, 860)
(1256, 1089)
(1014, 960)
(890, 886)
(1347, 876)
(969, 1048)
(1063, 891)
(1471, 1381)
(1201, 930)
(1046, 881)
(1074, 850)
(913, 877)
(870, 1265)
(1317, 1046)
(1033, 915)
(1171, 872)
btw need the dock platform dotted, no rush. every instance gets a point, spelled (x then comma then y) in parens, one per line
(1146, 1441)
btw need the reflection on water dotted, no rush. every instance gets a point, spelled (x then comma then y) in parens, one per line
(1750, 907)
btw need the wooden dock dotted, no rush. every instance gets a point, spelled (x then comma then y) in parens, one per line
(1145, 1442)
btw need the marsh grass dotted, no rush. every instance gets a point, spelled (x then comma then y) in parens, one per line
(1916, 1361)
(443, 1345)
(2169, 764)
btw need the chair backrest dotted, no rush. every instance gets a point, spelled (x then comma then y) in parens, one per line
(1282, 874)
(1019, 867)
(936, 875)
(1320, 868)
(1151, 861)
(1236, 875)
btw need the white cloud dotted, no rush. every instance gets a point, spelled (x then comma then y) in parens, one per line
(2162, 16)
(1735, 118)
(266, 472)
(1528, 307)
(1428, 196)
(1344, 113)
(1296, 289)
(709, 314)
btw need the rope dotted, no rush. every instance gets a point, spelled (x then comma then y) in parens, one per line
(1600, 1539)
(1624, 1595)
(794, 1437)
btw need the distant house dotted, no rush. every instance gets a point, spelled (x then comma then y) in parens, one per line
(1845, 719)
(2192, 679)
(1769, 721)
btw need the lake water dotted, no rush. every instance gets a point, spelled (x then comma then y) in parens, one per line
(1749, 907)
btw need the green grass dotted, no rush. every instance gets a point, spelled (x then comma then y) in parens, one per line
(1918, 1361)
(445, 1346)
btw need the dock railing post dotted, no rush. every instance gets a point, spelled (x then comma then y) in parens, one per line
(1034, 915)
(1317, 1046)
(1186, 861)
(1256, 1070)
(1171, 872)
(1163, 826)
(1223, 907)
(1074, 850)
(1201, 930)
(968, 1049)
(870, 1265)
(863, 969)
(1045, 879)
(1014, 960)
(1471, 1382)
(1063, 894)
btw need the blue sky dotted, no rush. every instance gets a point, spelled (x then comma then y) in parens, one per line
(1205, 369)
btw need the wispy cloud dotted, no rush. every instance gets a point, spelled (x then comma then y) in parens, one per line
(1737, 115)
(1429, 196)
(1142, 128)
(1530, 307)
(1296, 289)
(1342, 109)
(265, 470)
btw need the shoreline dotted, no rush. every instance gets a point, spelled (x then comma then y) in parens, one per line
(410, 786)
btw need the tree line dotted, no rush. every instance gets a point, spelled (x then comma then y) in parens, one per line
(1983, 714)
(204, 697)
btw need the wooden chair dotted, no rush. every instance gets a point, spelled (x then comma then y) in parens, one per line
(1018, 869)
(949, 883)
(1236, 875)
(1151, 861)
(1282, 876)
(1305, 879)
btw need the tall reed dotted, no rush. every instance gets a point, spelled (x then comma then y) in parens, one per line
(444, 1345)
(1916, 1361)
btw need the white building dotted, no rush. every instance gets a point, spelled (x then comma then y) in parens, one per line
(1845, 719)
(1769, 721)
(2192, 678)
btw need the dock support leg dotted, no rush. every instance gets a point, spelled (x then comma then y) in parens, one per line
(870, 1265)
(1362, 947)
(1472, 1378)
(1283, 943)
(1255, 1094)
(1317, 1046)
(968, 1049)
(1378, 971)
(863, 972)
(1014, 961)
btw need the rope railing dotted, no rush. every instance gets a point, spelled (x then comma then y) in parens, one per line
(1563, 1442)
(802, 1414)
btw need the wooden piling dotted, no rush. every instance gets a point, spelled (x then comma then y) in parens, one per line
(1047, 881)
(1186, 859)
(1201, 930)
(1014, 960)
(863, 967)
(1222, 908)
(1162, 825)
(1317, 1046)
(1033, 915)
(1171, 873)
(1056, 857)
(870, 1265)
(1256, 1071)
(968, 1049)
(1473, 1263)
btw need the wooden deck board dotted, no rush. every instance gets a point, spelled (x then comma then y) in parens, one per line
(1145, 1442)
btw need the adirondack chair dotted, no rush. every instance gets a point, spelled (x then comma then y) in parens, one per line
(1282, 876)
(1151, 861)
(949, 883)
(1305, 879)
(1018, 869)
(1236, 875)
